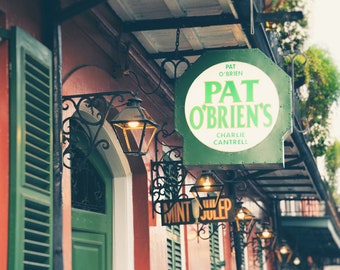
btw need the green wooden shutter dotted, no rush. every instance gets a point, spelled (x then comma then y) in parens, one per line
(174, 247)
(214, 244)
(31, 167)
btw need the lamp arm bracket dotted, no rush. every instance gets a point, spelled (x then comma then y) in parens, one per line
(83, 118)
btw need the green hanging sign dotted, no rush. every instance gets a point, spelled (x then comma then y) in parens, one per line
(233, 108)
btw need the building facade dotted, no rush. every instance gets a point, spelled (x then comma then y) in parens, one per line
(72, 198)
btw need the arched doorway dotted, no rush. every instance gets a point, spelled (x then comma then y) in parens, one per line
(102, 209)
(91, 213)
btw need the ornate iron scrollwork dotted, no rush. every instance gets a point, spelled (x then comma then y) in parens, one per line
(257, 252)
(84, 117)
(206, 231)
(168, 174)
(88, 188)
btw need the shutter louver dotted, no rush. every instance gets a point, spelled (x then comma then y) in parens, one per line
(31, 167)
(174, 248)
(37, 235)
(38, 135)
(214, 247)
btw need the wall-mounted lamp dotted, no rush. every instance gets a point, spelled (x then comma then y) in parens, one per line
(207, 183)
(243, 215)
(265, 232)
(263, 243)
(85, 115)
(132, 124)
(265, 240)
(283, 252)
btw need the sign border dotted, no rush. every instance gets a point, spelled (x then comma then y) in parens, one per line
(269, 151)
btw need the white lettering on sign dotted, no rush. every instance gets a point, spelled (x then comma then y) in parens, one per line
(232, 106)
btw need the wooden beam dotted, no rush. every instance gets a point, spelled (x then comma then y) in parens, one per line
(182, 22)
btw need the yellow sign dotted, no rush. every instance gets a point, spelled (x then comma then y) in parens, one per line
(181, 211)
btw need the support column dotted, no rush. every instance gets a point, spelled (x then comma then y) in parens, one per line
(276, 226)
(237, 236)
(52, 39)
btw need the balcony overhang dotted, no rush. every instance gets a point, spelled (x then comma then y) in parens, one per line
(316, 236)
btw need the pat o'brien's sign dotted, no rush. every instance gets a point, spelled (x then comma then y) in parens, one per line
(233, 107)
(181, 212)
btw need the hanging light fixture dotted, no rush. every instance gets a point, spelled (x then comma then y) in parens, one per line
(135, 128)
(296, 261)
(207, 183)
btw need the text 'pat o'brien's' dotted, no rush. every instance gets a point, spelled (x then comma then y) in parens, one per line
(230, 110)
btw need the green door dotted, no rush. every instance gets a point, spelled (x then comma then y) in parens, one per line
(91, 214)
(88, 250)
